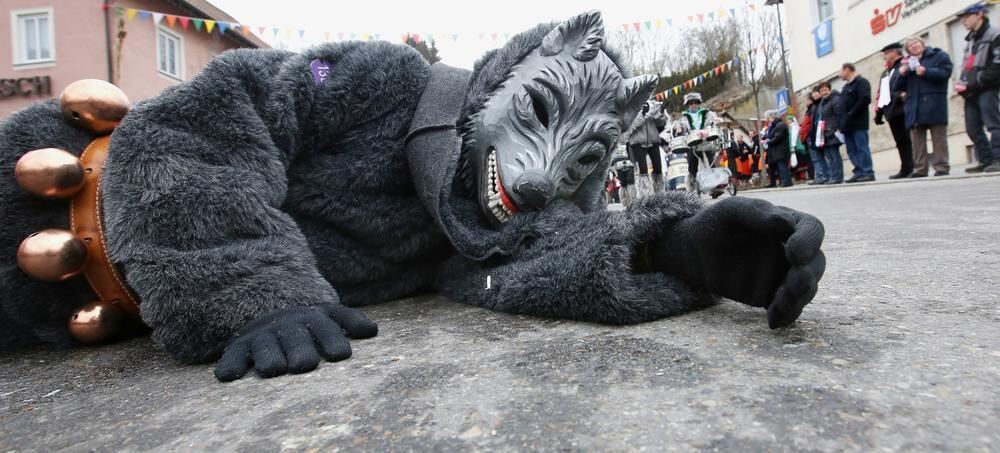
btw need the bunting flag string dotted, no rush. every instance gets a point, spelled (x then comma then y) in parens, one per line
(211, 26)
(709, 74)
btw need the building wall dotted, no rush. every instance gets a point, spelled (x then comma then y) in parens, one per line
(853, 41)
(79, 47)
(138, 76)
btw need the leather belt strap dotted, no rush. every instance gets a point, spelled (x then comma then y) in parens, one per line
(85, 222)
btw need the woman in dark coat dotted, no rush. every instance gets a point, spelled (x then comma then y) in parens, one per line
(926, 105)
(777, 150)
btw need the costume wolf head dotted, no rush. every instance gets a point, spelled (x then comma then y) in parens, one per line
(551, 122)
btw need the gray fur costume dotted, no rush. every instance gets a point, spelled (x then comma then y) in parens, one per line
(252, 189)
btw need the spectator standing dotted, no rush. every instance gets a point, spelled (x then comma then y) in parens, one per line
(821, 171)
(853, 124)
(979, 84)
(778, 151)
(924, 78)
(889, 107)
(829, 112)
(643, 138)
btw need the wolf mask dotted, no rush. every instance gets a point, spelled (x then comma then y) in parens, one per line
(552, 124)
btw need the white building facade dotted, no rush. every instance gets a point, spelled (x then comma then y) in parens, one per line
(824, 34)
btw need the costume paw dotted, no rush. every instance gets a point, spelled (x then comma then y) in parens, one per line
(293, 340)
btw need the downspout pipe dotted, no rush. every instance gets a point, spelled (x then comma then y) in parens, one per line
(107, 40)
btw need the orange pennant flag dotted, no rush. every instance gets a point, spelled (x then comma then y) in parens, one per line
(171, 20)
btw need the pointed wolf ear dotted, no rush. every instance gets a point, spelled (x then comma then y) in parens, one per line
(632, 94)
(583, 35)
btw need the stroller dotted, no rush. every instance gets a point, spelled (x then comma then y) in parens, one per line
(714, 180)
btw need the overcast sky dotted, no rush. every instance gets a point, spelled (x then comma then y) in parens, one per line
(443, 18)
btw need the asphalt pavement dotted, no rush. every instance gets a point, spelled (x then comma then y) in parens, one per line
(900, 351)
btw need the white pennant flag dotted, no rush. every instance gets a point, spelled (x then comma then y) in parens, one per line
(157, 17)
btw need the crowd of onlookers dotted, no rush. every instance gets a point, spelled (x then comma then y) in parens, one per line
(911, 96)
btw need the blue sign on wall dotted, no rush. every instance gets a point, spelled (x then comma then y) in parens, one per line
(823, 37)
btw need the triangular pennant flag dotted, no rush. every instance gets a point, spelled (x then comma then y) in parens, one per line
(506, 36)
(416, 38)
(157, 17)
(649, 25)
(171, 20)
(482, 36)
(274, 31)
(261, 30)
(119, 11)
(494, 36)
(711, 15)
(625, 27)
(246, 30)
(144, 15)
(376, 36)
(198, 23)
(659, 23)
(637, 26)
(340, 36)
(353, 36)
(691, 19)
(454, 36)
(722, 13)
(405, 37)
(659, 97)
(365, 37)
(732, 12)
(302, 34)
(184, 21)
(222, 26)
(677, 89)
(130, 13)
(326, 36)
(429, 37)
(209, 25)
(753, 7)
(670, 22)
(289, 31)
(701, 17)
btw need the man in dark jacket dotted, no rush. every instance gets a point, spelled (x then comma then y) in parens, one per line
(827, 116)
(889, 107)
(643, 141)
(924, 78)
(980, 86)
(778, 151)
(853, 124)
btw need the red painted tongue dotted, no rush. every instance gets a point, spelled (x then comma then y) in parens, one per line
(503, 195)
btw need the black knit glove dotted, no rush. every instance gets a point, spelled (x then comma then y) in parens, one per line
(292, 340)
(750, 251)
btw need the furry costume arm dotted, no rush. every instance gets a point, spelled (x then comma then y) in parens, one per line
(195, 184)
(583, 266)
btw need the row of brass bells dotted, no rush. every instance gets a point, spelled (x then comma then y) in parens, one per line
(55, 255)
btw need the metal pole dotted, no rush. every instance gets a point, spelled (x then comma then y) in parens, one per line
(781, 39)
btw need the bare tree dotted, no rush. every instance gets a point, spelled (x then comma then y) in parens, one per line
(761, 62)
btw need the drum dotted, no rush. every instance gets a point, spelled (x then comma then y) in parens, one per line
(677, 171)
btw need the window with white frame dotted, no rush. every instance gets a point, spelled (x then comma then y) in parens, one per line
(822, 9)
(169, 58)
(33, 38)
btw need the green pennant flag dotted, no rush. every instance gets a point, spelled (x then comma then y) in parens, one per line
(197, 23)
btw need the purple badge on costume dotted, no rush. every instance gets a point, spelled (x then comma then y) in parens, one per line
(320, 69)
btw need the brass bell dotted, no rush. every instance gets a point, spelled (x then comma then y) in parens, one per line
(96, 322)
(49, 173)
(94, 105)
(52, 255)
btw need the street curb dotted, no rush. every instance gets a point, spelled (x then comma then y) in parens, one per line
(804, 186)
